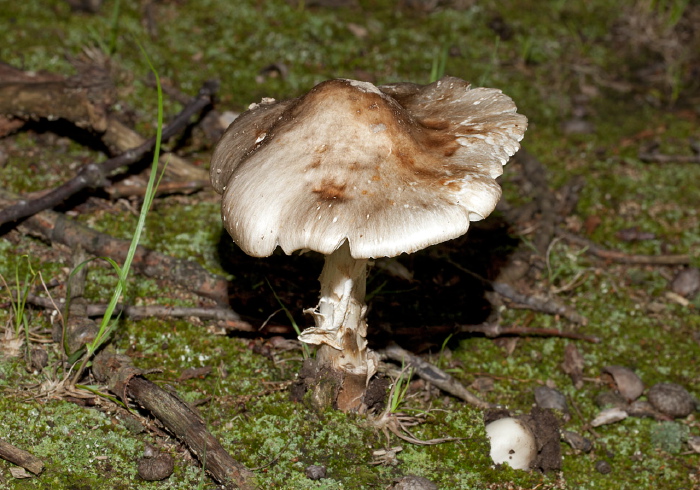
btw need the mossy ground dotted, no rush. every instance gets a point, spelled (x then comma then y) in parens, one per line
(543, 54)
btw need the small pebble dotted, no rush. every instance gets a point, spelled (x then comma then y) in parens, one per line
(687, 282)
(547, 397)
(156, 468)
(577, 441)
(603, 467)
(671, 399)
(316, 472)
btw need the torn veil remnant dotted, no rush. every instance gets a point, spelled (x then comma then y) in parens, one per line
(355, 172)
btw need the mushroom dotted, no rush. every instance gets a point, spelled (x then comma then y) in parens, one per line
(512, 442)
(356, 172)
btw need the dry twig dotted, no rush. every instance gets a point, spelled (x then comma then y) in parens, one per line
(56, 227)
(95, 175)
(432, 374)
(661, 158)
(20, 457)
(126, 380)
(550, 305)
(622, 257)
(493, 330)
(230, 319)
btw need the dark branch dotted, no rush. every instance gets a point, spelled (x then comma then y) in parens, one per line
(56, 227)
(494, 330)
(432, 374)
(621, 257)
(95, 175)
(661, 158)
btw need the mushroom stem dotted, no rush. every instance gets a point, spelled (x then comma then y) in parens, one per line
(341, 328)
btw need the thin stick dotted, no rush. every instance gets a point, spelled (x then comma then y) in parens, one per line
(188, 187)
(549, 305)
(95, 175)
(661, 158)
(432, 374)
(622, 257)
(56, 227)
(231, 319)
(494, 330)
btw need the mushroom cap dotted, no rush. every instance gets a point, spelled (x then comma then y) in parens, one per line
(390, 169)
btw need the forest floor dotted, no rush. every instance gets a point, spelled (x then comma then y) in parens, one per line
(597, 240)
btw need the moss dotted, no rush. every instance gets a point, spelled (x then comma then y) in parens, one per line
(556, 50)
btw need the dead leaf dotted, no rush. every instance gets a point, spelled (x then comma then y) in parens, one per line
(19, 473)
(573, 365)
(11, 344)
(190, 373)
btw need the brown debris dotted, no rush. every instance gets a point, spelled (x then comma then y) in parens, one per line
(226, 318)
(55, 100)
(190, 373)
(493, 330)
(433, 375)
(20, 457)
(627, 382)
(125, 380)
(56, 227)
(156, 467)
(573, 365)
(31, 97)
(545, 426)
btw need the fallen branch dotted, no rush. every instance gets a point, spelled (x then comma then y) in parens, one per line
(56, 227)
(550, 305)
(622, 257)
(125, 380)
(95, 175)
(229, 318)
(492, 330)
(83, 100)
(122, 190)
(31, 96)
(120, 138)
(20, 457)
(432, 374)
(661, 158)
